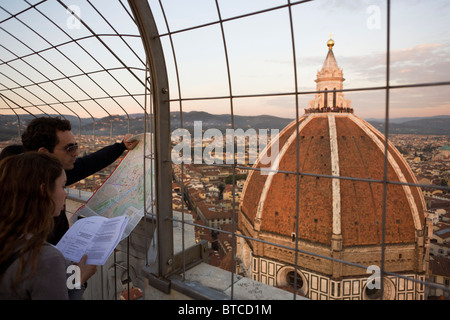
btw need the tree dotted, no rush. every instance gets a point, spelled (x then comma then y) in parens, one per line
(229, 179)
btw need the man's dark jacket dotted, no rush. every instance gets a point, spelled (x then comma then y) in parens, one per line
(83, 168)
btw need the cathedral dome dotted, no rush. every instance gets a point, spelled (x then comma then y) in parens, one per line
(329, 172)
(345, 208)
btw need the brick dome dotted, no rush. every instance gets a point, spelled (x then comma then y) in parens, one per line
(350, 210)
(339, 219)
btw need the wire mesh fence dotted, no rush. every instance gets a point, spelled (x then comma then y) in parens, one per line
(85, 60)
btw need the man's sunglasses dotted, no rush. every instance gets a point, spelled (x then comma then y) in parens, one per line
(71, 148)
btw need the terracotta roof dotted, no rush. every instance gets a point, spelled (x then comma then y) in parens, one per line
(440, 266)
(210, 211)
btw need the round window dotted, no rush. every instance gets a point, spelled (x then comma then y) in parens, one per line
(372, 291)
(286, 278)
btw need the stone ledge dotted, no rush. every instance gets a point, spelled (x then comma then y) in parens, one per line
(219, 280)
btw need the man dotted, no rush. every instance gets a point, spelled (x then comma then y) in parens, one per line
(54, 135)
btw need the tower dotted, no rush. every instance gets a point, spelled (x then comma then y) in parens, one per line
(329, 79)
(339, 219)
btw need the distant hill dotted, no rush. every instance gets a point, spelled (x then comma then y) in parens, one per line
(437, 125)
(118, 125)
(223, 121)
(406, 119)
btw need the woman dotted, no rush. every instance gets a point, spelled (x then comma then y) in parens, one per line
(31, 194)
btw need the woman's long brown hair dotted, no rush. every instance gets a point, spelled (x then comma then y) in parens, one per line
(27, 182)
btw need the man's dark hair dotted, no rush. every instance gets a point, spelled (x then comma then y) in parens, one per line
(41, 132)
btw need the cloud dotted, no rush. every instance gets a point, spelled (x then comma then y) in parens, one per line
(423, 63)
(419, 64)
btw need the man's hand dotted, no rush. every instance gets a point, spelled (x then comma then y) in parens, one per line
(130, 144)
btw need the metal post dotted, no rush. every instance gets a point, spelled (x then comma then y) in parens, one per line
(161, 110)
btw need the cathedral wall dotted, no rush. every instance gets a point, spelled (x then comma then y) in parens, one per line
(398, 258)
(317, 275)
(316, 286)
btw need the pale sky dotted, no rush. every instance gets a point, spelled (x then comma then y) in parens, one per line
(260, 55)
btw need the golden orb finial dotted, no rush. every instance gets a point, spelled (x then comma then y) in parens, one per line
(330, 42)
